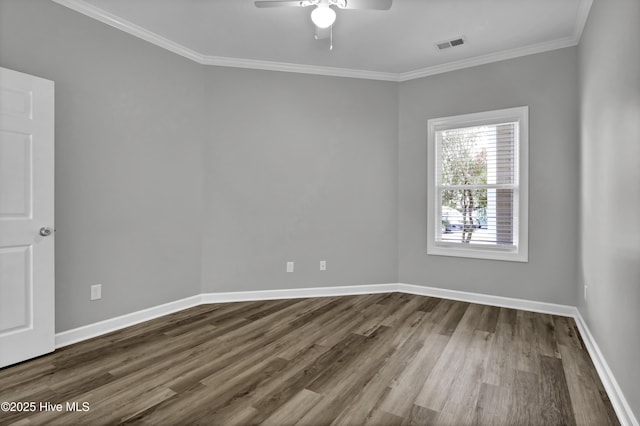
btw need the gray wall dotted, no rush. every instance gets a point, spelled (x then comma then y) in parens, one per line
(610, 193)
(300, 168)
(296, 167)
(173, 178)
(128, 159)
(548, 84)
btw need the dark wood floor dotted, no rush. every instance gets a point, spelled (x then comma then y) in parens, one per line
(389, 359)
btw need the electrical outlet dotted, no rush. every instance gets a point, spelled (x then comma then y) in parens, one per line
(323, 265)
(289, 266)
(96, 292)
(585, 292)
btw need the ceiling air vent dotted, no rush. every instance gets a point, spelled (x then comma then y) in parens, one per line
(450, 43)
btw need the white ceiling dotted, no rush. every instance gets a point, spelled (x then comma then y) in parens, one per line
(398, 44)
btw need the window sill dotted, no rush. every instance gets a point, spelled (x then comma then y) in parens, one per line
(478, 252)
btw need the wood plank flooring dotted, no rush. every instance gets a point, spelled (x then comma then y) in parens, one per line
(387, 359)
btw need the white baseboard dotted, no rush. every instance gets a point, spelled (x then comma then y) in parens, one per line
(619, 402)
(107, 326)
(96, 329)
(486, 299)
(616, 396)
(298, 293)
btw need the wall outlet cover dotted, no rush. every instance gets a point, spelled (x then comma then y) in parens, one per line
(96, 291)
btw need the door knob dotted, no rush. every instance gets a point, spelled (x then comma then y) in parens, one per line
(45, 232)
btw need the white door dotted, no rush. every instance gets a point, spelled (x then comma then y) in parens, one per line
(26, 210)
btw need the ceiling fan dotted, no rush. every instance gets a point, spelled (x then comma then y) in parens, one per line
(322, 15)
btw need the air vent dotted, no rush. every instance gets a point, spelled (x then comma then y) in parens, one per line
(450, 43)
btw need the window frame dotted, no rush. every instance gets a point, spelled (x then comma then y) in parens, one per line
(519, 252)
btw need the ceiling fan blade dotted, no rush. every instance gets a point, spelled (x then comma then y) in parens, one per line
(368, 4)
(322, 33)
(281, 3)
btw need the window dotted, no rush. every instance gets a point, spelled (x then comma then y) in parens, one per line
(478, 185)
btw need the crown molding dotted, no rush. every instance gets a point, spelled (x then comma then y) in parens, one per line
(581, 19)
(130, 28)
(584, 7)
(160, 41)
(298, 68)
(490, 58)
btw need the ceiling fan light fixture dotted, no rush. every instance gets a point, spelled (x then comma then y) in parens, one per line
(323, 16)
